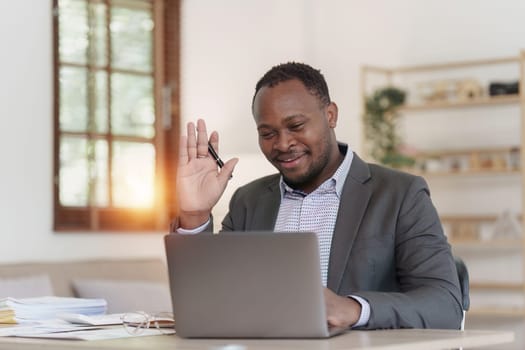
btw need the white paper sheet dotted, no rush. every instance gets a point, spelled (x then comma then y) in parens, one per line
(101, 334)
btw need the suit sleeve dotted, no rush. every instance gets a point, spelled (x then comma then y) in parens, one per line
(228, 223)
(429, 294)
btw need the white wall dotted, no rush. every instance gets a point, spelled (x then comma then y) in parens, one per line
(226, 46)
(26, 149)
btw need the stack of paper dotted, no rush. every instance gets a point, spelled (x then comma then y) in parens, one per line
(14, 311)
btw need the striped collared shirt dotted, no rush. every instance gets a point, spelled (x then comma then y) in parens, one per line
(314, 212)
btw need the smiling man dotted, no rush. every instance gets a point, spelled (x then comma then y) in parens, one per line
(385, 261)
(296, 133)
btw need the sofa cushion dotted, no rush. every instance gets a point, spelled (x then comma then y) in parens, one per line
(26, 286)
(62, 273)
(126, 295)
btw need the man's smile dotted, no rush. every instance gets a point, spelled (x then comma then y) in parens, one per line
(289, 160)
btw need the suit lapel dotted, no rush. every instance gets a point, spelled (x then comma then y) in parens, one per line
(354, 200)
(267, 208)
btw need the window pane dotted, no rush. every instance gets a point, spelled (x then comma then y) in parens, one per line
(100, 94)
(73, 99)
(132, 105)
(74, 172)
(131, 38)
(101, 190)
(133, 174)
(73, 27)
(98, 34)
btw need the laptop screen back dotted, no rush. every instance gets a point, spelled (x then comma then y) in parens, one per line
(246, 284)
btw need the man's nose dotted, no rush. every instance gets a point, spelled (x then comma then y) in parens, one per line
(284, 141)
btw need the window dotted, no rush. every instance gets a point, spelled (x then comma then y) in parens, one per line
(115, 113)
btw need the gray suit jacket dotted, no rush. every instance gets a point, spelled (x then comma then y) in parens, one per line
(388, 245)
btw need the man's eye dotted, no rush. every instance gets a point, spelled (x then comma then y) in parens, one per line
(296, 127)
(266, 135)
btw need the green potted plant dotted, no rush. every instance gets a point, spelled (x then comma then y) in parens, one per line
(380, 118)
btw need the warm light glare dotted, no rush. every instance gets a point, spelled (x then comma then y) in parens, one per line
(134, 175)
(136, 192)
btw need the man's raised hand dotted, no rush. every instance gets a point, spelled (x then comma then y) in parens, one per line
(200, 183)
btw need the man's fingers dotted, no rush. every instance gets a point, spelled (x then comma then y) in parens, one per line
(227, 170)
(202, 139)
(191, 144)
(183, 150)
(214, 141)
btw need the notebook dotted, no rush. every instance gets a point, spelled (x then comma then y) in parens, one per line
(247, 285)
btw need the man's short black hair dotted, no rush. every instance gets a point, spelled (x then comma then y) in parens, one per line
(312, 79)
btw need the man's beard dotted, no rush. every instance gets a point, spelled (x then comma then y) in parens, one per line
(312, 172)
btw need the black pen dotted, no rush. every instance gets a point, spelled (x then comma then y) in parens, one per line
(215, 156)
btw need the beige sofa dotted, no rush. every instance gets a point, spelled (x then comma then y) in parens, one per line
(127, 285)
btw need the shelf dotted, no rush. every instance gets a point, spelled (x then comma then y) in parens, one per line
(464, 233)
(465, 173)
(442, 66)
(456, 65)
(486, 101)
(496, 311)
(466, 151)
(471, 218)
(468, 162)
(503, 286)
(492, 243)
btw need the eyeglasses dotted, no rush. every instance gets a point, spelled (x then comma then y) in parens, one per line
(136, 323)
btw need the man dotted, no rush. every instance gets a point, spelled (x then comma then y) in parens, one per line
(384, 258)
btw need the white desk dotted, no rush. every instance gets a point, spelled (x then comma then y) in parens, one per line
(400, 339)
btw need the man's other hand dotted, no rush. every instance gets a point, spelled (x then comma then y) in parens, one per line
(341, 311)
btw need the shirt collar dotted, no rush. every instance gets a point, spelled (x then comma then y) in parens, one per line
(338, 177)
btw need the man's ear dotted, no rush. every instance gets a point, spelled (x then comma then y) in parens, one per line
(331, 115)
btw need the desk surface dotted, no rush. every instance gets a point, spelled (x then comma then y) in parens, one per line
(399, 339)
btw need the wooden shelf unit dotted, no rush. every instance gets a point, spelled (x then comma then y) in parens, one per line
(484, 101)
(503, 244)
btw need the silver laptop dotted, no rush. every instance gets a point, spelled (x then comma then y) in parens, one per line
(247, 285)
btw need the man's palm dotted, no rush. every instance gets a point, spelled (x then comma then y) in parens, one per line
(199, 185)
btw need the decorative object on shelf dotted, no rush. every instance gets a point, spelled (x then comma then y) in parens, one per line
(465, 231)
(507, 226)
(450, 90)
(514, 158)
(432, 165)
(486, 231)
(436, 91)
(499, 88)
(474, 160)
(380, 119)
(485, 161)
(468, 89)
(460, 163)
